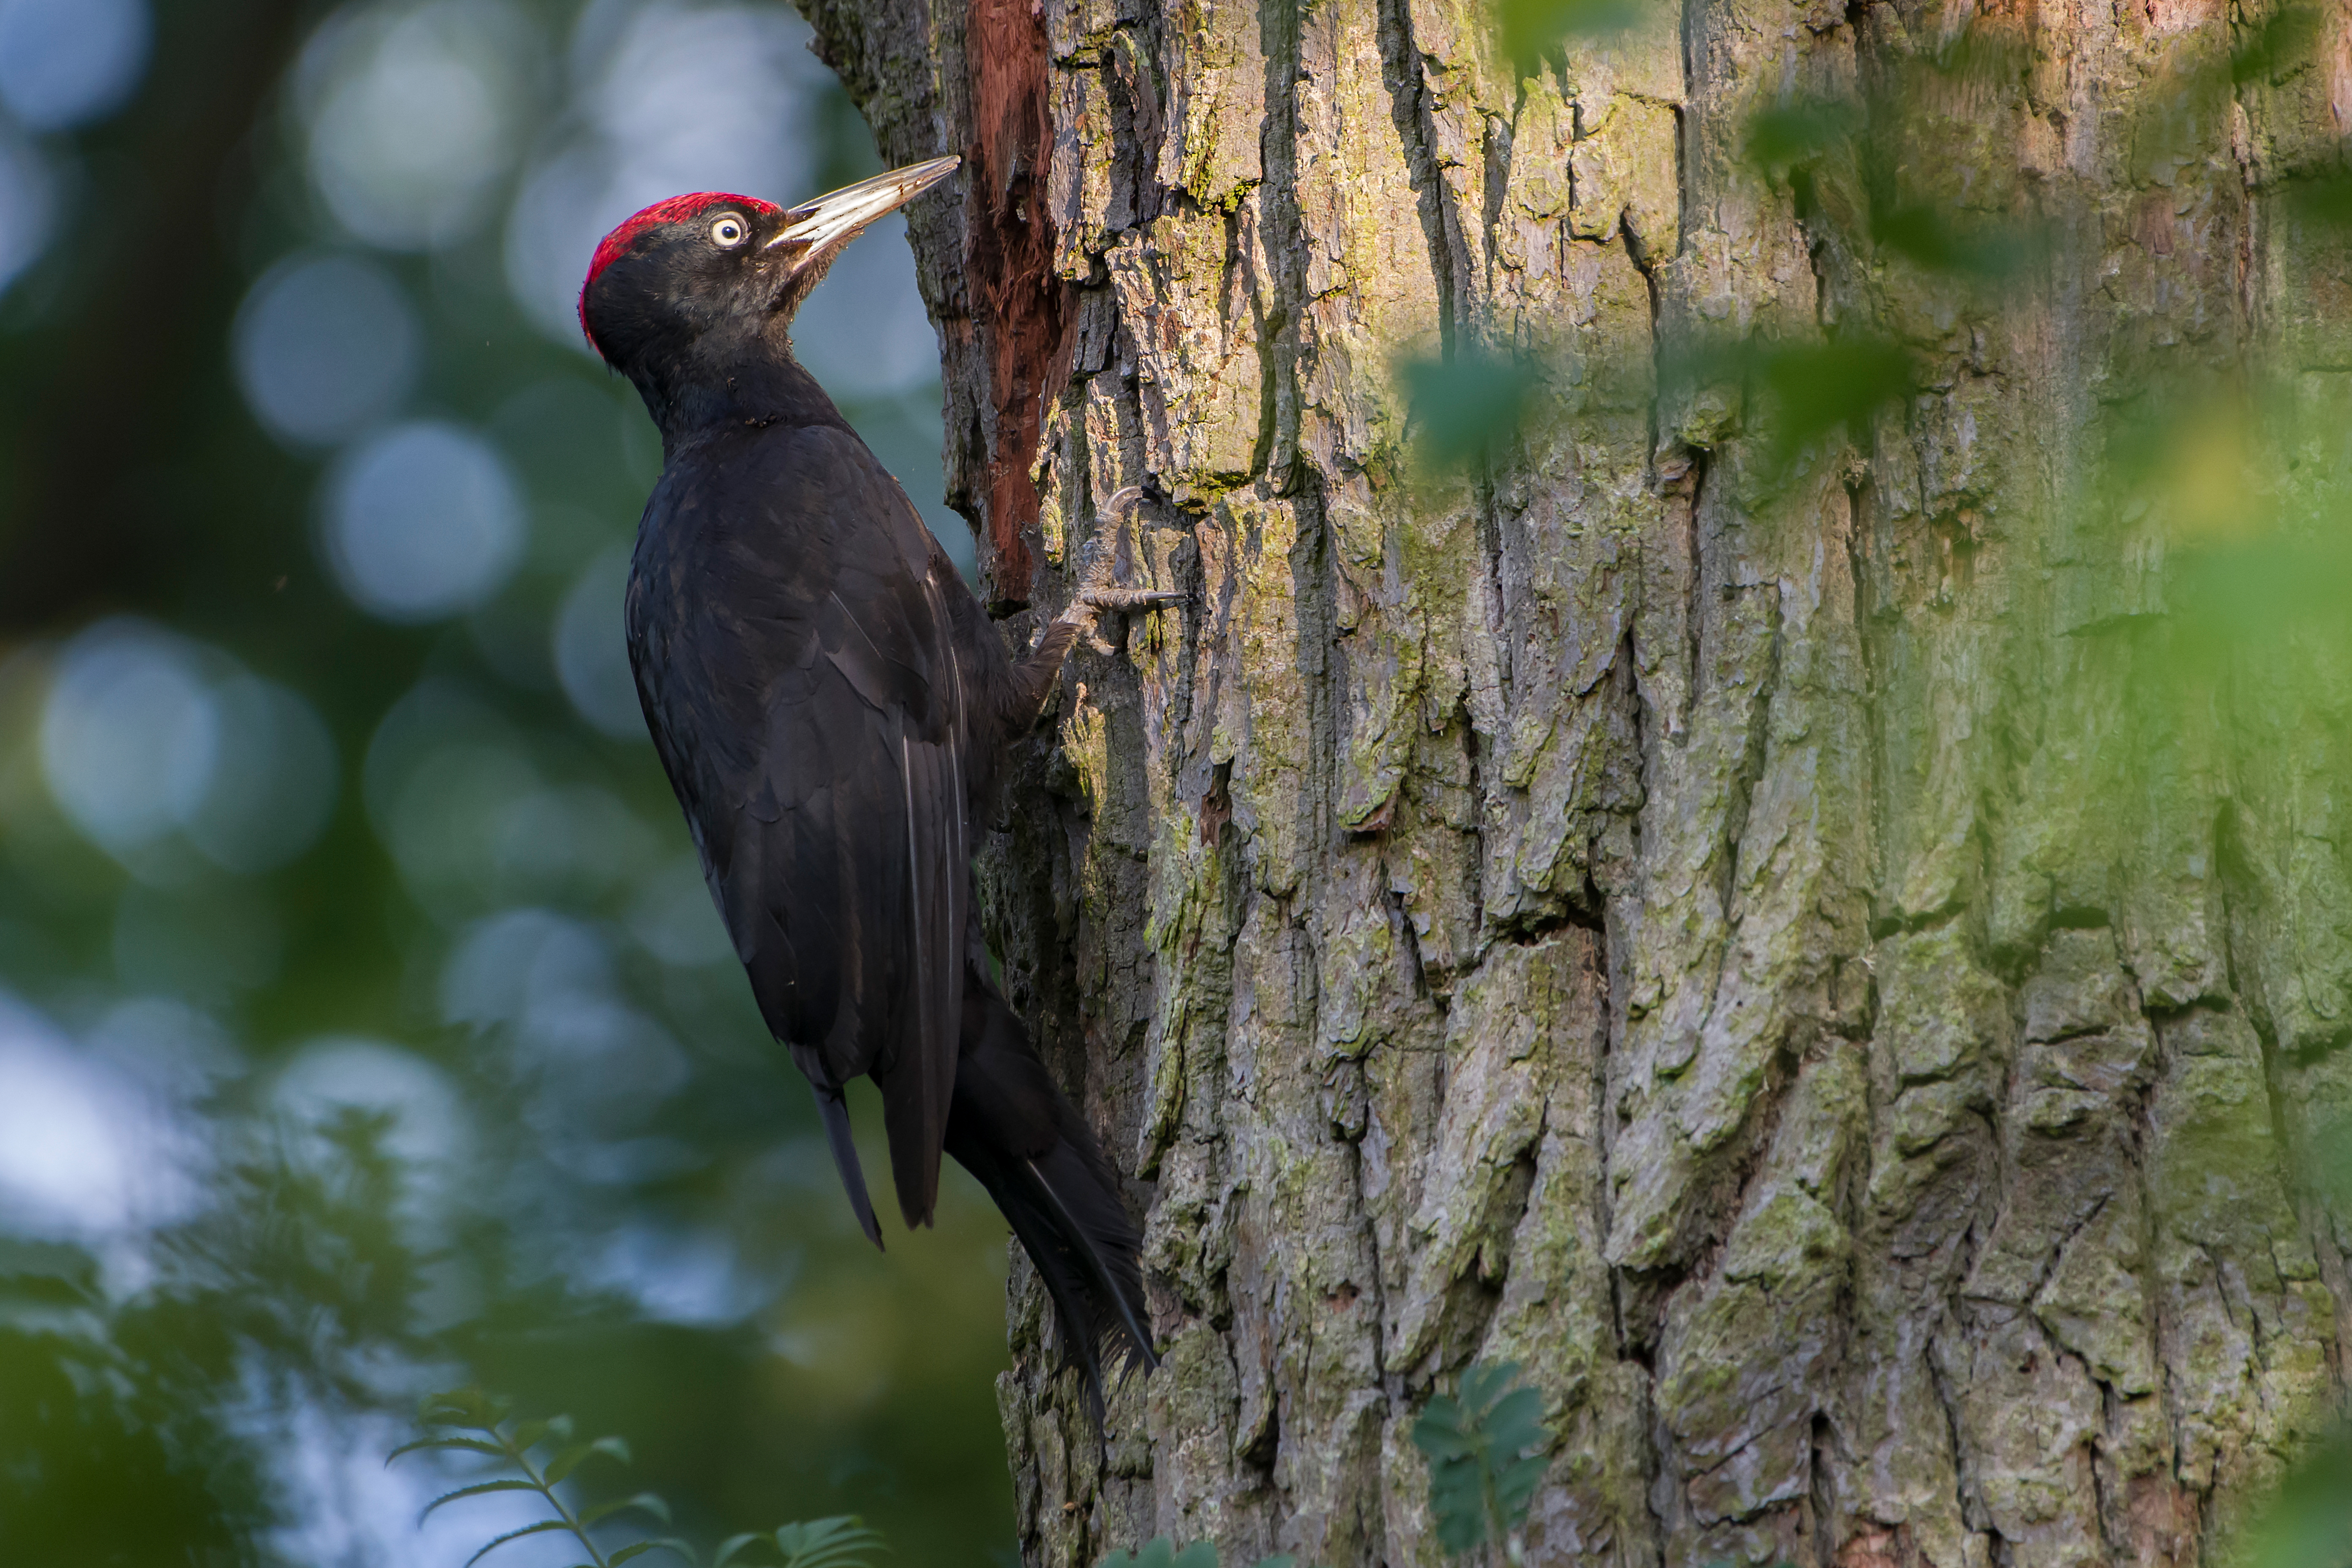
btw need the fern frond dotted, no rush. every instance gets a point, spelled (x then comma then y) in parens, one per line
(731, 1548)
(468, 1445)
(478, 1488)
(843, 1540)
(542, 1528)
(565, 1462)
(643, 1503)
(461, 1407)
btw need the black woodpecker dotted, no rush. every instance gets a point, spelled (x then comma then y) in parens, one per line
(830, 700)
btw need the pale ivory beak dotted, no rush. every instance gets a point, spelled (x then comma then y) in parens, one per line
(839, 215)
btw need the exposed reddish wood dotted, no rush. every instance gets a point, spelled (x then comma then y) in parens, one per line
(1023, 311)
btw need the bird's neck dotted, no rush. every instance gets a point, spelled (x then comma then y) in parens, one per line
(754, 382)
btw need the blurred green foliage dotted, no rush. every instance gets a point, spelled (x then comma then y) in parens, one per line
(1160, 1552)
(1467, 407)
(1486, 1449)
(461, 1083)
(469, 1420)
(1531, 31)
(843, 1542)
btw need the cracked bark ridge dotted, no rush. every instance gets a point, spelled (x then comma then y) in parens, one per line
(1725, 933)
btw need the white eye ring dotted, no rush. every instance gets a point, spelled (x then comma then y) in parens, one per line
(728, 231)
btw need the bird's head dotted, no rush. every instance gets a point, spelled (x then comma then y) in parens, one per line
(717, 272)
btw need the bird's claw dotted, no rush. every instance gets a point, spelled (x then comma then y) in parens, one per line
(1093, 602)
(1098, 593)
(1116, 599)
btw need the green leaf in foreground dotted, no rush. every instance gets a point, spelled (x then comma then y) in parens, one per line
(1161, 1553)
(1466, 407)
(1530, 29)
(1789, 135)
(1486, 1455)
(844, 1541)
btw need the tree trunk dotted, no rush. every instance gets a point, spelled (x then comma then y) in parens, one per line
(1762, 932)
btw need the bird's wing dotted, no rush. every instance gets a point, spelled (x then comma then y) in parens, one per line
(791, 628)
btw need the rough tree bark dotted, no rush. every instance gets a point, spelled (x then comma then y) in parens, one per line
(1727, 933)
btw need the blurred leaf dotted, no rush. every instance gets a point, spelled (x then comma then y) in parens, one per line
(733, 1547)
(1466, 407)
(1160, 1552)
(1531, 30)
(2324, 199)
(478, 1488)
(461, 1407)
(1927, 236)
(1980, 57)
(1816, 387)
(2183, 116)
(2331, 1162)
(639, 1548)
(643, 1502)
(542, 1528)
(841, 1541)
(1807, 390)
(2250, 593)
(465, 1444)
(1486, 1451)
(2278, 47)
(1791, 134)
(2309, 1523)
(565, 1462)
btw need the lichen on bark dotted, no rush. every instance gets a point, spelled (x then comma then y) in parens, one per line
(1791, 946)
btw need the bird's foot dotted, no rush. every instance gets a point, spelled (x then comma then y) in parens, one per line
(1099, 592)
(1131, 599)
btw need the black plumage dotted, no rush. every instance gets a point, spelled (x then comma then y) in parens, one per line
(830, 701)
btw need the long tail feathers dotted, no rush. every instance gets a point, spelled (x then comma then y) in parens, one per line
(1012, 1128)
(834, 1109)
(1108, 1257)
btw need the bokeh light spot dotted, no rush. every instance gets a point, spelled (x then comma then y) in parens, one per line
(511, 960)
(130, 735)
(29, 207)
(423, 521)
(592, 653)
(64, 63)
(677, 99)
(325, 346)
(428, 1125)
(273, 778)
(681, 1275)
(76, 1153)
(861, 332)
(675, 919)
(416, 113)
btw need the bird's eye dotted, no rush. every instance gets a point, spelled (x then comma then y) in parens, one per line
(728, 230)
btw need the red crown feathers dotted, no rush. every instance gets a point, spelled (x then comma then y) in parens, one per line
(674, 210)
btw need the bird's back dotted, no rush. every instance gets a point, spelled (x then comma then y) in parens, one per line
(806, 660)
